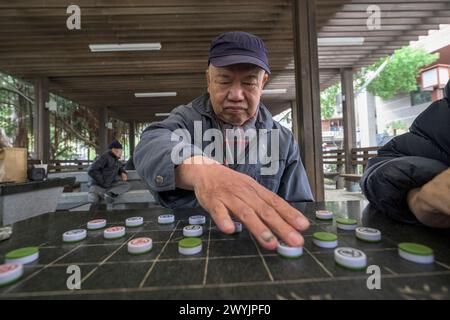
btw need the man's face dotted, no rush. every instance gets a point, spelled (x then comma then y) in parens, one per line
(235, 91)
(117, 152)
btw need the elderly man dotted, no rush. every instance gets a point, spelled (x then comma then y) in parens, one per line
(105, 174)
(255, 192)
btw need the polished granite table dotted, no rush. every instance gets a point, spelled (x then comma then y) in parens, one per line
(229, 267)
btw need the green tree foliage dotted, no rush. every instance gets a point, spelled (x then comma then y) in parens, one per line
(72, 126)
(15, 112)
(401, 72)
(328, 101)
(397, 125)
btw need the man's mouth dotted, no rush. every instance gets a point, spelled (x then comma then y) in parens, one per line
(234, 109)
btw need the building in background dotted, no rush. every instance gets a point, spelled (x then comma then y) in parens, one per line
(379, 120)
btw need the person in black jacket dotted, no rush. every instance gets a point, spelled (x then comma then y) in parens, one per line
(104, 175)
(410, 178)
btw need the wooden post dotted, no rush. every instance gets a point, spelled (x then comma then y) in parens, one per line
(307, 109)
(348, 111)
(131, 137)
(102, 131)
(42, 127)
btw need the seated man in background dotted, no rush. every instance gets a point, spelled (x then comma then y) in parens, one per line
(410, 178)
(105, 174)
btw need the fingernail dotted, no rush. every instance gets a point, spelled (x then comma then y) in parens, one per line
(300, 222)
(267, 236)
(226, 224)
(294, 238)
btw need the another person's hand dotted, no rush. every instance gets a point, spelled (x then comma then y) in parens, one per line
(124, 176)
(431, 203)
(222, 191)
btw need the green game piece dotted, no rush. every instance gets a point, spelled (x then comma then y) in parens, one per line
(325, 236)
(21, 253)
(346, 221)
(190, 242)
(415, 248)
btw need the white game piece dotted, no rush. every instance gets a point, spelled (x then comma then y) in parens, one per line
(96, 224)
(10, 272)
(368, 234)
(193, 231)
(350, 258)
(237, 227)
(199, 219)
(324, 215)
(114, 232)
(134, 222)
(166, 219)
(289, 252)
(140, 245)
(74, 235)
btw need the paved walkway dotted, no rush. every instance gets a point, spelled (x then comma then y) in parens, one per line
(342, 195)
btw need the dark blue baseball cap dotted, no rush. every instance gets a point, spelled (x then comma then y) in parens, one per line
(238, 47)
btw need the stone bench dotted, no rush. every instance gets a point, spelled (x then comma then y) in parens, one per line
(74, 201)
(21, 201)
(82, 178)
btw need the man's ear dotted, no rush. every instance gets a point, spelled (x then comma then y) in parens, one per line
(265, 79)
(208, 79)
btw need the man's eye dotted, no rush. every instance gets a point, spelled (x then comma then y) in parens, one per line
(224, 82)
(249, 84)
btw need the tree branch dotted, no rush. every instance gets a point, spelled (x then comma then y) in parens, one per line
(76, 133)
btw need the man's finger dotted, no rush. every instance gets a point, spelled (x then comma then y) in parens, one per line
(250, 219)
(293, 216)
(219, 213)
(271, 218)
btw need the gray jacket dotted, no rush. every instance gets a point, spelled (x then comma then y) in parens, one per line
(153, 156)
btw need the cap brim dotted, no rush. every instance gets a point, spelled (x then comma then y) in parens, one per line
(226, 61)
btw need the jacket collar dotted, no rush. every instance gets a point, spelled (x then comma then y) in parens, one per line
(263, 119)
(112, 154)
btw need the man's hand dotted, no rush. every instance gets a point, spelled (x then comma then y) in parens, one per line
(222, 191)
(124, 176)
(431, 203)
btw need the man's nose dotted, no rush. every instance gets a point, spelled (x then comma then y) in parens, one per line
(236, 93)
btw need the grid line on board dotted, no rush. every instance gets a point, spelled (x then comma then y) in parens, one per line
(141, 284)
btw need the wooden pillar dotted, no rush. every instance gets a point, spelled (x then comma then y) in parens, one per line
(131, 137)
(294, 112)
(102, 130)
(348, 111)
(307, 113)
(42, 120)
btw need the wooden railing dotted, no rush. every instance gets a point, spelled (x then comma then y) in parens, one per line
(359, 160)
